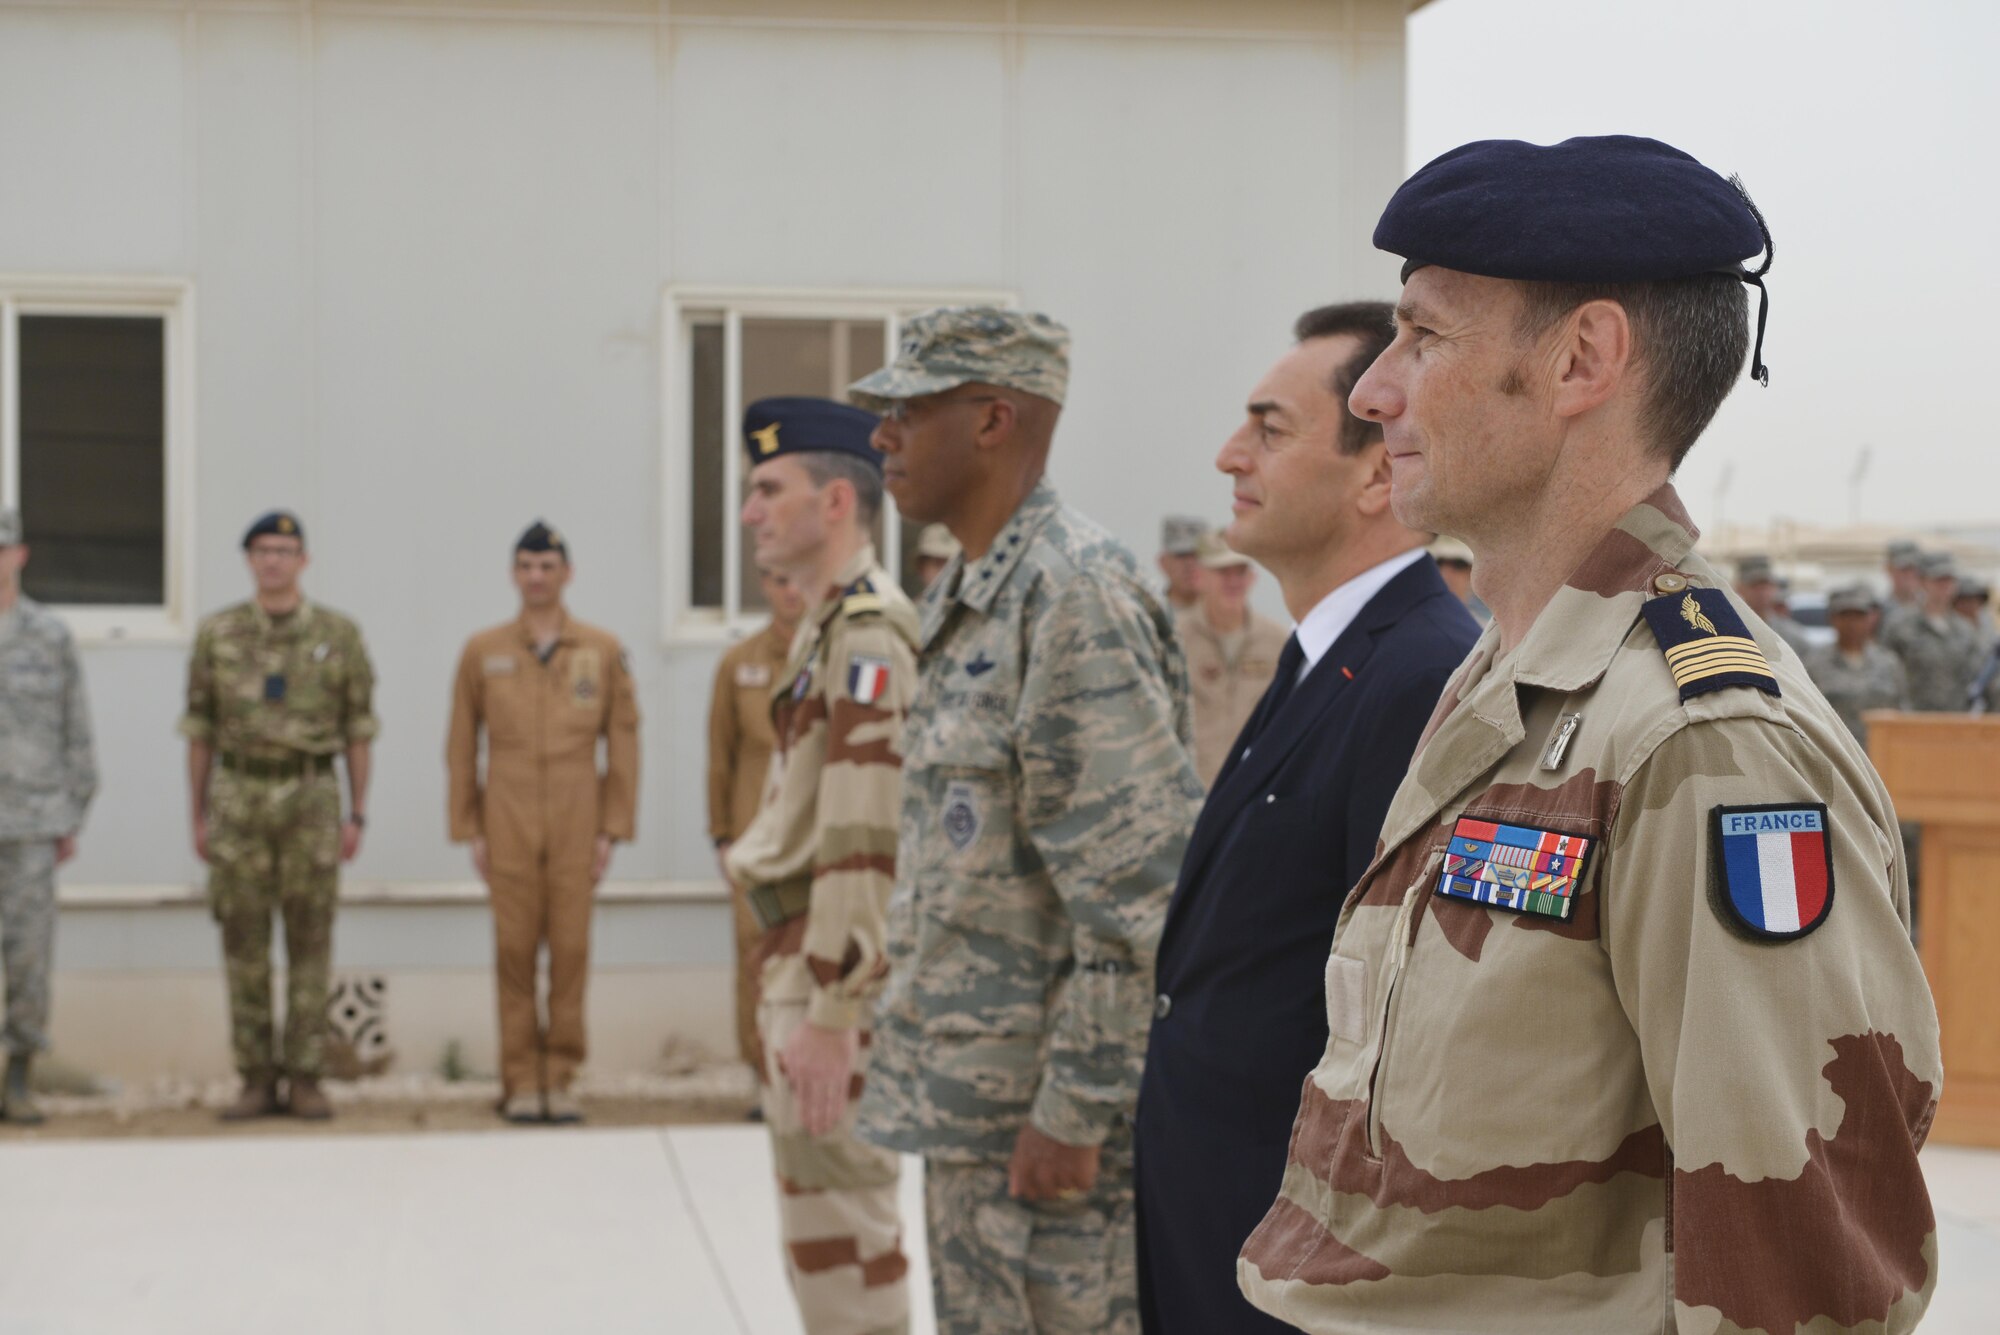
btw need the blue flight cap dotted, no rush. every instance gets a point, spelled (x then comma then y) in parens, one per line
(1602, 209)
(278, 524)
(776, 427)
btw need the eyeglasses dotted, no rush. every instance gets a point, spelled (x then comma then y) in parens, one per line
(898, 410)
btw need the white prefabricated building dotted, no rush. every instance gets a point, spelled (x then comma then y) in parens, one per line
(424, 272)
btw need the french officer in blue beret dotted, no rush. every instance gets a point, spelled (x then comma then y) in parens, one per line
(1625, 1030)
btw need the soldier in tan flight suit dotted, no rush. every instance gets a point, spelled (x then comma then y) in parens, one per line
(740, 743)
(820, 859)
(1607, 1053)
(1232, 654)
(546, 690)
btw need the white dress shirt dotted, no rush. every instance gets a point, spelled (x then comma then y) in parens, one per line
(1329, 620)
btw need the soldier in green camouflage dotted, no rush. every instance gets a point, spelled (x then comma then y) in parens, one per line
(47, 778)
(1048, 792)
(1606, 1051)
(277, 687)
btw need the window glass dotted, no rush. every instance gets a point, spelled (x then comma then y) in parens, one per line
(93, 468)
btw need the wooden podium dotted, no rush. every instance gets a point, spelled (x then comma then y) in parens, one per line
(1943, 770)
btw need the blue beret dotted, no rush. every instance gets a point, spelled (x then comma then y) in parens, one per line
(776, 427)
(539, 537)
(277, 524)
(1605, 209)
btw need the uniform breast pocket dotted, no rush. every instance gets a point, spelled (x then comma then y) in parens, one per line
(31, 681)
(970, 821)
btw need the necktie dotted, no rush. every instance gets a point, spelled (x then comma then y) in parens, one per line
(1289, 663)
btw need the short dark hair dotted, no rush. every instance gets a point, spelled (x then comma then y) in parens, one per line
(1374, 324)
(1691, 334)
(824, 466)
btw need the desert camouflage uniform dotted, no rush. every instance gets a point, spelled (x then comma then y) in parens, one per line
(1853, 688)
(822, 855)
(1226, 680)
(1635, 1119)
(277, 698)
(740, 744)
(1941, 656)
(47, 778)
(1048, 794)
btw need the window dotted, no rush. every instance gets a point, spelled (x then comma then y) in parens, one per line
(725, 351)
(91, 412)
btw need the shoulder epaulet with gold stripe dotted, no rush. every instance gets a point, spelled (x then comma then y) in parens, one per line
(1708, 647)
(859, 598)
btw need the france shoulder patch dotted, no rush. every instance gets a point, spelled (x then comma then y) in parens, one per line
(1708, 647)
(1773, 868)
(867, 678)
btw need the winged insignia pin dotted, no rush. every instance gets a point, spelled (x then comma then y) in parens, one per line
(1692, 614)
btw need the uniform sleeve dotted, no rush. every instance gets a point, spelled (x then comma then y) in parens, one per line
(461, 751)
(858, 806)
(1794, 1080)
(618, 798)
(79, 757)
(1109, 796)
(722, 757)
(198, 720)
(358, 722)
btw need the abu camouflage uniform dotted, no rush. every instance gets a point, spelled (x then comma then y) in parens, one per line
(1641, 1116)
(817, 866)
(276, 698)
(47, 778)
(1047, 798)
(1940, 655)
(1854, 686)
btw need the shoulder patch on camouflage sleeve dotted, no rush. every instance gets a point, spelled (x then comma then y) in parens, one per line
(1708, 647)
(1773, 868)
(867, 678)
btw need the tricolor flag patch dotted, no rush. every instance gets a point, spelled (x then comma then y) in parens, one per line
(867, 679)
(1514, 867)
(1774, 868)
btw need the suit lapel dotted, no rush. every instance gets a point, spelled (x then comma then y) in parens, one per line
(1242, 779)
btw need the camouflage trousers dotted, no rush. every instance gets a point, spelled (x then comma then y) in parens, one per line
(274, 848)
(1000, 1266)
(837, 1208)
(27, 938)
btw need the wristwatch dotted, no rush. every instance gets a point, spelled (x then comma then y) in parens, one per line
(356, 818)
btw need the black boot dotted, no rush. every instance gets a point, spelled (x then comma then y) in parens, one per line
(21, 1107)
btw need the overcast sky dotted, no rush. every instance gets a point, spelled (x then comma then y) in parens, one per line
(1870, 136)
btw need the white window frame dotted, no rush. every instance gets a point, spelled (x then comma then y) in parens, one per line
(172, 302)
(681, 622)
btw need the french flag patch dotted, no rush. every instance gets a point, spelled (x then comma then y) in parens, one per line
(867, 679)
(1774, 868)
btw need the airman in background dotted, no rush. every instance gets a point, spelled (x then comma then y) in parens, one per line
(1973, 602)
(1906, 586)
(1048, 794)
(1232, 651)
(544, 690)
(1939, 649)
(935, 548)
(277, 687)
(47, 778)
(819, 861)
(1454, 562)
(1855, 673)
(1757, 584)
(740, 743)
(1180, 561)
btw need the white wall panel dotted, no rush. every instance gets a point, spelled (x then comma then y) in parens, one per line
(93, 155)
(832, 159)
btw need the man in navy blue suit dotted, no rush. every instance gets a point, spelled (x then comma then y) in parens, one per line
(1291, 821)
